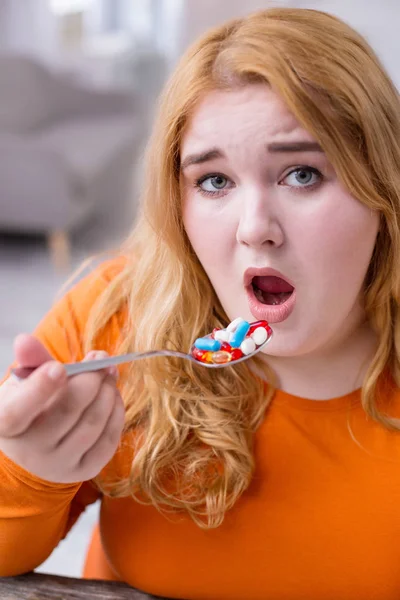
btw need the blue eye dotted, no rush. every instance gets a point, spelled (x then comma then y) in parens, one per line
(302, 177)
(213, 183)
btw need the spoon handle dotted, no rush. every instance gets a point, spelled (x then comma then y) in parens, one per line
(96, 365)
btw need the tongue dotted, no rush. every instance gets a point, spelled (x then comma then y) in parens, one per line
(272, 285)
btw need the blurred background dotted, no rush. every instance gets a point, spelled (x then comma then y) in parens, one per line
(79, 80)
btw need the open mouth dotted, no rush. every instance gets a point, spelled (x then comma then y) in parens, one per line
(271, 290)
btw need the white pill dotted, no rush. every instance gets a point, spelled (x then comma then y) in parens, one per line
(259, 335)
(222, 335)
(232, 326)
(248, 346)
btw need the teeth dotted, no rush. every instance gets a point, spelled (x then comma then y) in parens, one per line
(270, 299)
(258, 294)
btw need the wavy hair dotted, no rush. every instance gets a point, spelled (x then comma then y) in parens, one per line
(192, 429)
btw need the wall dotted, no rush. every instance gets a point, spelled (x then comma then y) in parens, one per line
(28, 26)
(377, 20)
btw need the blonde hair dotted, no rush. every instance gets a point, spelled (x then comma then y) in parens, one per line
(193, 428)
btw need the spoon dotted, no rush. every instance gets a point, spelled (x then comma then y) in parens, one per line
(98, 364)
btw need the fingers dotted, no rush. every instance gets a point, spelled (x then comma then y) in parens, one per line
(51, 424)
(26, 400)
(65, 410)
(93, 421)
(106, 444)
(44, 394)
(29, 352)
(98, 355)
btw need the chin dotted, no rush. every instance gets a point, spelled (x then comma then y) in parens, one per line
(289, 343)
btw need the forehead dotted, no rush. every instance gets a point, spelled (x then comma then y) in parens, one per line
(241, 112)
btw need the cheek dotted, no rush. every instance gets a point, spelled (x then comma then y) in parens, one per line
(210, 234)
(339, 241)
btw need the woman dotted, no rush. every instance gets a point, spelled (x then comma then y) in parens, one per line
(272, 191)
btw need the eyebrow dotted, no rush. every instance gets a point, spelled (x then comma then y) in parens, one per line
(202, 157)
(213, 153)
(294, 147)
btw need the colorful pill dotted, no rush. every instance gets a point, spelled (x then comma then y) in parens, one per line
(258, 324)
(207, 344)
(226, 347)
(239, 339)
(221, 357)
(232, 326)
(236, 354)
(200, 354)
(239, 334)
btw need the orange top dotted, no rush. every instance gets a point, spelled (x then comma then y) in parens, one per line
(321, 518)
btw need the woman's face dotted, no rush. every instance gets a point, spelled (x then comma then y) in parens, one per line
(278, 235)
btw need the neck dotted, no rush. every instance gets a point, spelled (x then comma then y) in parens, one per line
(331, 373)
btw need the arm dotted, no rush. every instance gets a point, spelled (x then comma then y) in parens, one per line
(36, 514)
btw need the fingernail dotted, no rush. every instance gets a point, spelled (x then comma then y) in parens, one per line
(96, 355)
(56, 371)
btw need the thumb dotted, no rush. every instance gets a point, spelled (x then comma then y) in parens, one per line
(29, 352)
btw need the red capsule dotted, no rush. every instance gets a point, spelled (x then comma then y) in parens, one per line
(236, 353)
(201, 355)
(226, 347)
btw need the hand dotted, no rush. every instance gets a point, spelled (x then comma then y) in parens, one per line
(61, 429)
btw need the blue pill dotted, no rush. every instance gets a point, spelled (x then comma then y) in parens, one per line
(207, 344)
(239, 335)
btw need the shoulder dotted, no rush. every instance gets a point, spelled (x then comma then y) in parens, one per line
(93, 277)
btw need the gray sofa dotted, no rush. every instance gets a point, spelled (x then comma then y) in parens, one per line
(65, 150)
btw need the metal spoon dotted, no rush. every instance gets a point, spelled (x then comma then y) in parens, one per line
(97, 365)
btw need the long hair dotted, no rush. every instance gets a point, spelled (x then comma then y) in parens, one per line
(191, 429)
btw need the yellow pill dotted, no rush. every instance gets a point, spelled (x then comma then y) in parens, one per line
(221, 357)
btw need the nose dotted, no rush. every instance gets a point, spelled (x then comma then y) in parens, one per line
(259, 223)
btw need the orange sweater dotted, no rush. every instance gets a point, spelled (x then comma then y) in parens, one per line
(321, 518)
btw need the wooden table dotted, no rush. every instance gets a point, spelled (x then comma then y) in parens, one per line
(39, 586)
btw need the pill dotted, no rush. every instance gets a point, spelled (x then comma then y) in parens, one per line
(239, 334)
(259, 335)
(225, 346)
(236, 353)
(248, 346)
(222, 335)
(232, 326)
(257, 324)
(197, 353)
(207, 343)
(204, 356)
(221, 357)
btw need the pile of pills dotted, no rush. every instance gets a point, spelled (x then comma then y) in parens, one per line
(240, 338)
